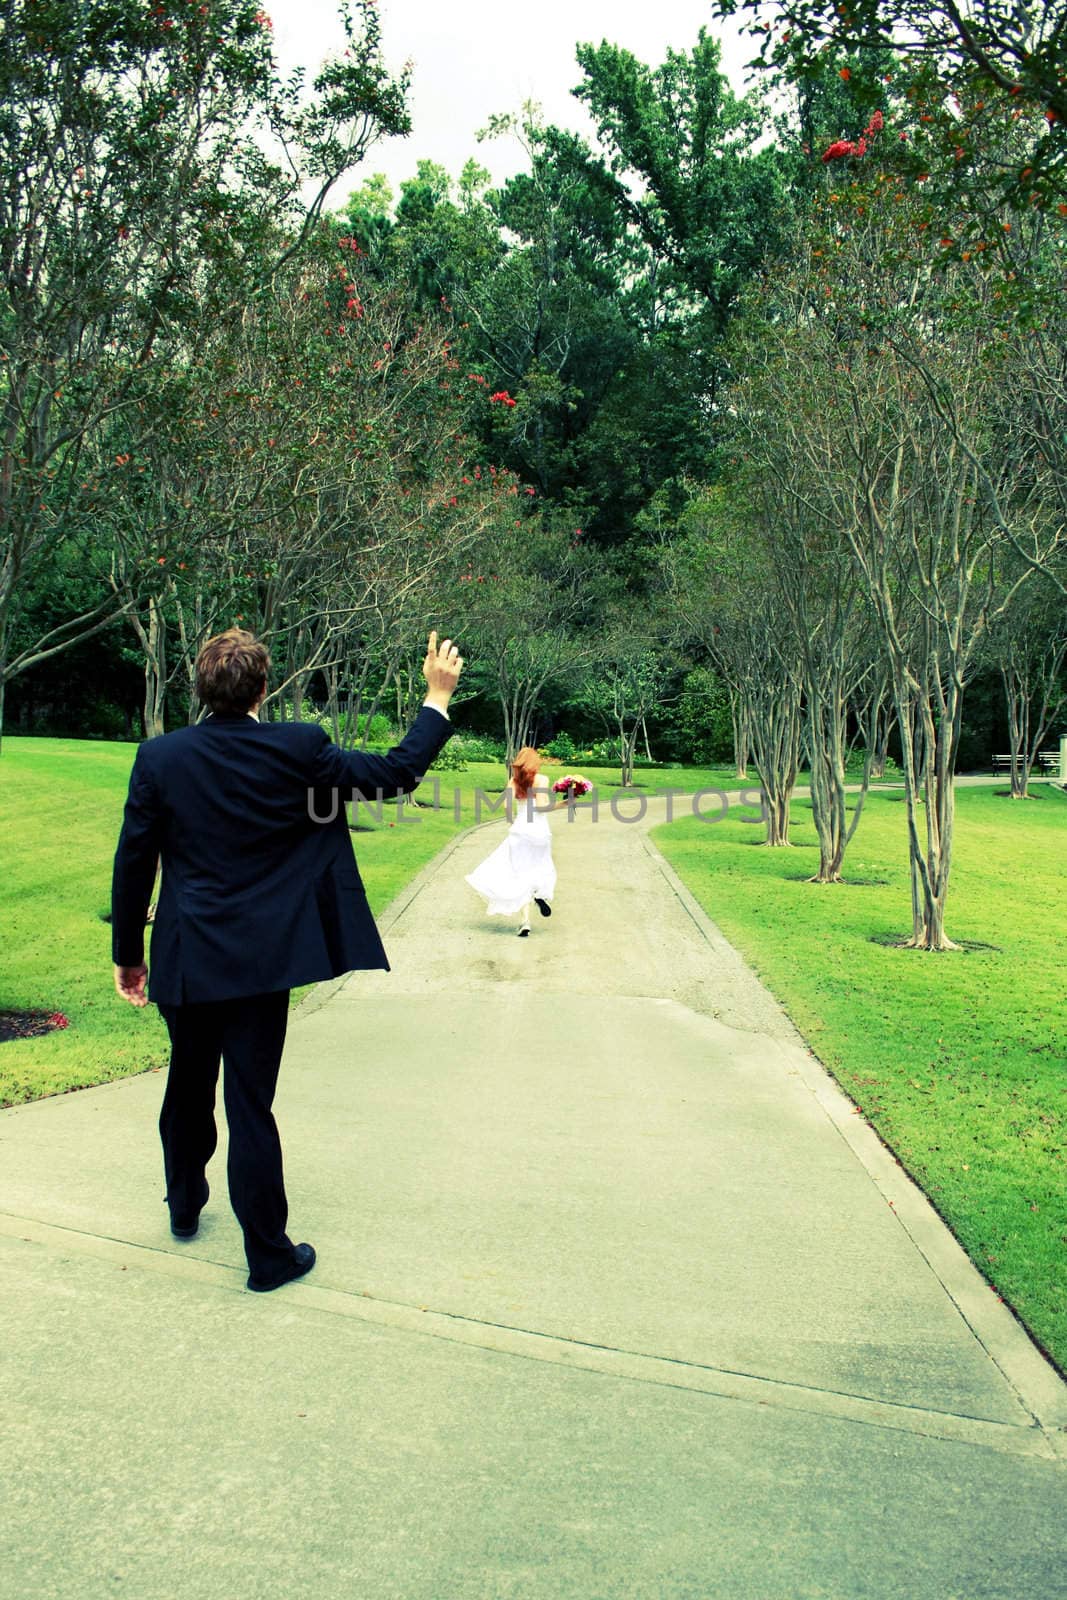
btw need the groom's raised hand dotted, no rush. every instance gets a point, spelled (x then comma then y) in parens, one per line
(441, 669)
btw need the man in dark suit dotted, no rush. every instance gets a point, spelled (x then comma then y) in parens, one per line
(258, 896)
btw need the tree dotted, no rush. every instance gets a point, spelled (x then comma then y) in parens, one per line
(821, 614)
(134, 194)
(1029, 645)
(625, 684)
(891, 393)
(715, 198)
(529, 621)
(724, 587)
(964, 62)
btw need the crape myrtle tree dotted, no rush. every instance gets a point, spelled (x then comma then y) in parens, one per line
(135, 191)
(313, 482)
(720, 576)
(627, 682)
(896, 363)
(1027, 256)
(963, 65)
(1029, 647)
(164, 518)
(530, 619)
(815, 594)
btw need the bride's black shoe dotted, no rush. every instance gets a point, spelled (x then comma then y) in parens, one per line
(543, 906)
(524, 932)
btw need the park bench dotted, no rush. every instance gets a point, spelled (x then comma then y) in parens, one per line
(1047, 760)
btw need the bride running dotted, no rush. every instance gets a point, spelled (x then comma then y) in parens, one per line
(520, 871)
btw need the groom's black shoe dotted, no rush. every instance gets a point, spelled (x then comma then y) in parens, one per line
(303, 1261)
(186, 1227)
(543, 906)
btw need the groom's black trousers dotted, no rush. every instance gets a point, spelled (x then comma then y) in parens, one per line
(248, 1036)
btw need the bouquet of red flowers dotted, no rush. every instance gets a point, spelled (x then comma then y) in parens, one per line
(571, 785)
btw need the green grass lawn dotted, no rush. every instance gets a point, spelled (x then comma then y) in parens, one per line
(60, 812)
(958, 1060)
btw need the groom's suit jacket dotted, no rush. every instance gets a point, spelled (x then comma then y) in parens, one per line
(257, 895)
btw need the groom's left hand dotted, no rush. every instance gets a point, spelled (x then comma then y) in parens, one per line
(131, 982)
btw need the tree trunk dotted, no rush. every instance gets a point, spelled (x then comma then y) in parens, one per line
(192, 633)
(1018, 703)
(410, 691)
(517, 702)
(153, 640)
(3, 674)
(776, 810)
(929, 739)
(774, 728)
(627, 753)
(826, 738)
(333, 704)
(882, 727)
(741, 725)
(523, 730)
(873, 711)
(375, 704)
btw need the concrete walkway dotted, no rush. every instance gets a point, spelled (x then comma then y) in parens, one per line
(617, 1297)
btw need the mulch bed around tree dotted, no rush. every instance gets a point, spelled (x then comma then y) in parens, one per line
(29, 1024)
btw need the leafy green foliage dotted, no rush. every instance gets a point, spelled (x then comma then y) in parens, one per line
(965, 67)
(137, 205)
(716, 195)
(701, 730)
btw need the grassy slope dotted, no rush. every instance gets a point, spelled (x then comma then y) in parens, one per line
(958, 1060)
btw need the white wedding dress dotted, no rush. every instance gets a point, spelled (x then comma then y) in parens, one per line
(521, 868)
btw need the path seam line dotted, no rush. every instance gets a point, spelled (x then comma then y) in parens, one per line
(1025, 1439)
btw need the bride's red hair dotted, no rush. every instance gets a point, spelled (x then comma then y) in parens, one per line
(524, 769)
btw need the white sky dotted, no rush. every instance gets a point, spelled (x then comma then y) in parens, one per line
(476, 57)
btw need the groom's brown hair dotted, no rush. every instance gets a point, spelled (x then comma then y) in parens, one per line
(231, 671)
